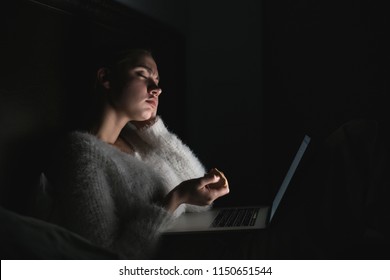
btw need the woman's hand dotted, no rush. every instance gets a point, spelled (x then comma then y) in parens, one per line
(200, 191)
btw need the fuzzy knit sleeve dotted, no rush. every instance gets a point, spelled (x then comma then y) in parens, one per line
(95, 203)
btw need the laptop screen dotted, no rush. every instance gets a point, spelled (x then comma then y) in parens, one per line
(289, 175)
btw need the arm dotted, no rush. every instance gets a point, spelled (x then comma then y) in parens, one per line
(90, 207)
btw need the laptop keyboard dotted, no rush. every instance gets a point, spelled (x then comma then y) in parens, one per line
(235, 217)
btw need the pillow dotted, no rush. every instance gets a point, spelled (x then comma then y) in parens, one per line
(23, 237)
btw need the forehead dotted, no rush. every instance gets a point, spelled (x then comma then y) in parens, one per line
(147, 62)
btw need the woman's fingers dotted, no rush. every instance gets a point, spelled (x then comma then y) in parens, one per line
(209, 179)
(204, 190)
(223, 182)
(218, 187)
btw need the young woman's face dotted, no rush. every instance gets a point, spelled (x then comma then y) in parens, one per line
(138, 97)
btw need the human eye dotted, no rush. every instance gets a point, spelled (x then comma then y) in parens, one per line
(142, 74)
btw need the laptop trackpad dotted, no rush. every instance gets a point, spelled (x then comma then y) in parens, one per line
(193, 221)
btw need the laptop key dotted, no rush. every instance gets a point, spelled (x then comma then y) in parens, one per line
(253, 218)
(222, 218)
(248, 215)
(240, 217)
(232, 218)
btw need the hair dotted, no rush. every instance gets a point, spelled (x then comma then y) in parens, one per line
(125, 57)
(119, 62)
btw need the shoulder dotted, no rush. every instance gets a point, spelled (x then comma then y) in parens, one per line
(80, 139)
(80, 145)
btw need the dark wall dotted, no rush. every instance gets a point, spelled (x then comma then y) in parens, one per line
(264, 73)
(324, 63)
(50, 51)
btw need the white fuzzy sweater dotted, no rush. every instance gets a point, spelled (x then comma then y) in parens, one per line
(112, 198)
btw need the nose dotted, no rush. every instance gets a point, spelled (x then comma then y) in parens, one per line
(155, 90)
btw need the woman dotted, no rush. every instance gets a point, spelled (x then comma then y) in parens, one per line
(127, 177)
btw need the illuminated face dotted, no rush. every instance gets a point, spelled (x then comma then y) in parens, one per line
(137, 98)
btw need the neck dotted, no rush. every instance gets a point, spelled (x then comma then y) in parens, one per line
(110, 125)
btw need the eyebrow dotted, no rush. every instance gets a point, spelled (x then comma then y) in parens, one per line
(148, 69)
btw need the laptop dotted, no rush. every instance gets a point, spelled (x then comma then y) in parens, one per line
(237, 218)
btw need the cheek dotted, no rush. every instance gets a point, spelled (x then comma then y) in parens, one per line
(132, 94)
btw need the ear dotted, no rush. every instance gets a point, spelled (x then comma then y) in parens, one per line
(102, 77)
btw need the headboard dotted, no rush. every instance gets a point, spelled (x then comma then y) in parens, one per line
(48, 52)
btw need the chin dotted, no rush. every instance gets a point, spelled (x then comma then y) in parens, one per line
(148, 115)
(144, 117)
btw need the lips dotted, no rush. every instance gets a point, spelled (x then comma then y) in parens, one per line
(152, 102)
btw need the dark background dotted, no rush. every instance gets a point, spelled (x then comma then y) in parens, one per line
(243, 81)
(325, 63)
